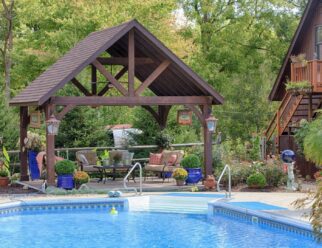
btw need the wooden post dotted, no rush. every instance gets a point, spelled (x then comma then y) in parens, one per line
(24, 120)
(207, 142)
(131, 55)
(94, 80)
(50, 149)
(310, 111)
(163, 116)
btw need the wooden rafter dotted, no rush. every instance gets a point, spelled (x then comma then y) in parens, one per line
(109, 77)
(124, 61)
(127, 101)
(94, 80)
(117, 77)
(152, 112)
(65, 110)
(156, 73)
(81, 87)
(131, 55)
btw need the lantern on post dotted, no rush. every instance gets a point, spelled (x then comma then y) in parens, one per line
(211, 123)
(52, 125)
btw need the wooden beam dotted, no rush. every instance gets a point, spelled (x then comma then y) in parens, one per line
(23, 151)
(50, 149)
(94, 80)
(131, 55)
(163, 115)
(117, 77)
(66, 109)
(124, 61)
(152, 112)
(110, 77)
(135, 101)
(81, 87)
(207, 143)
(156, 73)
(198, 113)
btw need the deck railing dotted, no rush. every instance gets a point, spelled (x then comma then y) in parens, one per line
(309, 71)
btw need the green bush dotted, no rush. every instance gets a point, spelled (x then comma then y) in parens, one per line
(4, 172)
(64, 167)
(256, 180)
(191, 161)
(274, 175)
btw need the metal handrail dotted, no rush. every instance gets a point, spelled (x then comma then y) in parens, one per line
(227, 167)
(129, 173)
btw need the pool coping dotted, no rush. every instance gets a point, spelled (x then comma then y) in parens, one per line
(260, 217)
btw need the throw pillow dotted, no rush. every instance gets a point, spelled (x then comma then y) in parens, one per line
(172, 159)
(155, 158)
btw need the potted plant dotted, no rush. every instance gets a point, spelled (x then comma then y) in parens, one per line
(65, 170)
(163, 140)
(80, 177)
(117, 158)
(33, 143)
(299, 60)
(256, 181)
(299, 88)
(4, 168)
(192, 165)
(105, 156)
(180, 175)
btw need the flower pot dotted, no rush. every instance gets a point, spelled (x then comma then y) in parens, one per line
(180, 182)
(65, 181)
(167, 174)
(4, 181)
(194, 175)
(33, 165)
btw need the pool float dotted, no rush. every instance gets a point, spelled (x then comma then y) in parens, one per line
(113, 211)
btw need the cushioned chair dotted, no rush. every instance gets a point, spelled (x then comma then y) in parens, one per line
(165, 166)
(86, 160)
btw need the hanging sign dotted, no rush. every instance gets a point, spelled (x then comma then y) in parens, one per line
(184, 117)
(35, 119)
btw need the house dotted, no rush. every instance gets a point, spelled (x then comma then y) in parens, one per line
(307, 42)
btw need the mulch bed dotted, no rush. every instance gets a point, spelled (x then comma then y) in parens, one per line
(15, 189)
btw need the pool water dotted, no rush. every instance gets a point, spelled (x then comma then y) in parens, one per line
(97, 228)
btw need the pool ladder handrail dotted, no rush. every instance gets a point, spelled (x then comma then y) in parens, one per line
(129, 173)
(227, 167)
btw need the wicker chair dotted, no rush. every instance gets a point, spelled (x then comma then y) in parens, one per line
(86, 160)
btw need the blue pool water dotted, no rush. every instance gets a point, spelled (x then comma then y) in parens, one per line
(97, 228)
(196, 195)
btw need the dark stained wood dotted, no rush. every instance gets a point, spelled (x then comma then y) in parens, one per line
(163, 115)
(23, 151)
(207, 142)
(109, 77)
(94, 80)
(152, 112)
(66, 109)
(81, 87)
(131, 68)
(124, 61)
(117, 77)
(157, 72)
(310, 109)
(198, 113)
(50, 149)
(135, 101)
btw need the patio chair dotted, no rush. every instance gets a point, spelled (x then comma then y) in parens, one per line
(170, 160)
(86, 160)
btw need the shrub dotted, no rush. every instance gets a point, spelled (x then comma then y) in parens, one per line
(191, 161)
(274, 175)
(180, 174)
(81, 177)
(256, 180)
(4, 172)
(64, 167)
(313, 142)
(163, 140)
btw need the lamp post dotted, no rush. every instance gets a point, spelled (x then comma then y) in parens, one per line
(211, 123)
(52, 125)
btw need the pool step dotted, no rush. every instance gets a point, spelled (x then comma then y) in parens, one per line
(170, 205)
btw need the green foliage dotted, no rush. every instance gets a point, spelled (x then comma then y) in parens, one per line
(301, 85)
(313, 142)
(254, 153)
(163, 140)
(64, 167)
(34, 142)
(300, 135)
(274, 175)
(4, 157)
(4, 172)
(191, 161)
(256, 180)
(180, 174)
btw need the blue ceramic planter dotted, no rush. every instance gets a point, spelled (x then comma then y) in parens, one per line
(33, 165)
(194, 175)
(65, 181)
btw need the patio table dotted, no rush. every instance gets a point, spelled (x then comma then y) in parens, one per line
(105, 170)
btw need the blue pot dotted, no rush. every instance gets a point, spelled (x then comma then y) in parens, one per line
(65, 181)
(33, 165)
(167, 174)
(194, 175)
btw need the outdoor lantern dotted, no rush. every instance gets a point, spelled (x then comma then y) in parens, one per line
(211, 123)
(52, 125)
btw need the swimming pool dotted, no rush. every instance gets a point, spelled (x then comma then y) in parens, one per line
(93, 226)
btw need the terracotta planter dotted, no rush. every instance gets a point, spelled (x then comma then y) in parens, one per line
(180, 182)
(4, 181)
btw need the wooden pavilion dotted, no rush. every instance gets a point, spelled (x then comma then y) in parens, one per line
(142, 56)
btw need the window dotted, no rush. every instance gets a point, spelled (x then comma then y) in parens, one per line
(318, 42)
